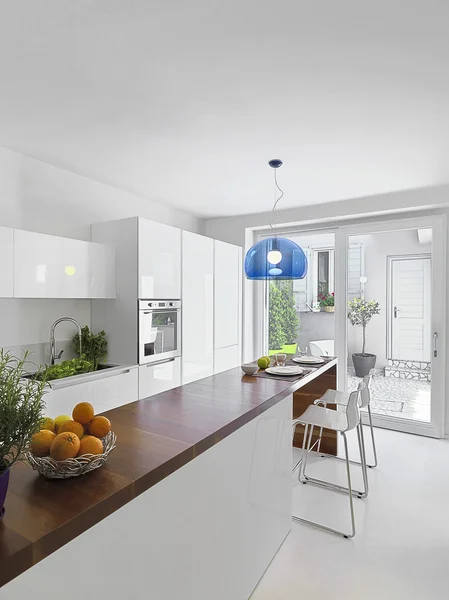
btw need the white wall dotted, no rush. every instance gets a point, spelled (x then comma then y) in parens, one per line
(232, 229)
(39, 197)
(377, 248)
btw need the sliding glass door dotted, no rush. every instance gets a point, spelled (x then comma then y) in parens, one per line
(396, 271)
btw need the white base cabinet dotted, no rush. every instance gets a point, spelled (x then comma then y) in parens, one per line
(159, 377)
(105, 393)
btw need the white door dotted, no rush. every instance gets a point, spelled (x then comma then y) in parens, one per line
(197, 306)
(409, 308)
(159, 261)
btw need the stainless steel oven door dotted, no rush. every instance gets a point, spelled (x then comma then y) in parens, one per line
(159, 330)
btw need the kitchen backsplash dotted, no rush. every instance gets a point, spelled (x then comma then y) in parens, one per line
(40, 353)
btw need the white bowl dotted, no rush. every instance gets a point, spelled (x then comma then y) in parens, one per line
(250, 368)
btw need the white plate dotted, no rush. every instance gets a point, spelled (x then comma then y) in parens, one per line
(308, 360)
(288, 370)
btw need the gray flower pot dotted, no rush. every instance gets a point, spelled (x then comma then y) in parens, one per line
(363, 363)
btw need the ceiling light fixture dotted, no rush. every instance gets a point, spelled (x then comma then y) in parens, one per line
(275, 257)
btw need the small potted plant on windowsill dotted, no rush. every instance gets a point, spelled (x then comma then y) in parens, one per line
(360, 313)
(327, 302)
(21, 407)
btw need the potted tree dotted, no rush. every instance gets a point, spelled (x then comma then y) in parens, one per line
(360, 313)
(21, 407)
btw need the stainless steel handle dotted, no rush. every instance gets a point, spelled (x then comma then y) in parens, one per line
(435, 338)
(396, 310)
(160, 362)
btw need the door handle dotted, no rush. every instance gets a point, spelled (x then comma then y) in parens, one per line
(435, 339)
(396, 310)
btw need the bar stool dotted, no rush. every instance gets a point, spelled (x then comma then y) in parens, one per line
(341, 398)
(342, 420)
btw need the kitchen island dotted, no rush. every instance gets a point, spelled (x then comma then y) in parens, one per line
(193, 503)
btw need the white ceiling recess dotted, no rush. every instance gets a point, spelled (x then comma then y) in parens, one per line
(185, 102)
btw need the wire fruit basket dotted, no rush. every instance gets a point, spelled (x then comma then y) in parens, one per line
(72, 467)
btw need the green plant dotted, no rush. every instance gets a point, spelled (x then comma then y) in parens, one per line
(67, 368)
(283, 320)
(94, 346)
(21, 408)
(360, 313)
(326, 300)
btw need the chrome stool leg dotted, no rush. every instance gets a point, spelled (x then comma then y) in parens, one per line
(349, 490)
(372, 438)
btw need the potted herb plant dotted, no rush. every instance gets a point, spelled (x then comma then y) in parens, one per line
(94, 345)
(327, 302)
(21, 408)
(360, 313)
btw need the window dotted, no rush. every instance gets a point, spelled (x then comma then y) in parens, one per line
(323, 272)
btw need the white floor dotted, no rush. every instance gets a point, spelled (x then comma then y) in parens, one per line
(401, 549)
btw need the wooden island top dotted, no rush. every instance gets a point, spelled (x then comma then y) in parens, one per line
(155, 437)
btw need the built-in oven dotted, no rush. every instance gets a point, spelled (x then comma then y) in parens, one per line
(159, 330)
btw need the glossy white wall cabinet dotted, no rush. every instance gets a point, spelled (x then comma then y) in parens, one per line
(197, 306)
(159, 261)
(47, 266)
(6, 262)
(157, 378)
(227, 303)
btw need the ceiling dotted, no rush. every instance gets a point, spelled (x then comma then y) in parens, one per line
(185, 102)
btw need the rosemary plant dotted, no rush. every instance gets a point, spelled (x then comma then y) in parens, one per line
(21, 408)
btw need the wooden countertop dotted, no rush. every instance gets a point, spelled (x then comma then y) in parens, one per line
(155, 437)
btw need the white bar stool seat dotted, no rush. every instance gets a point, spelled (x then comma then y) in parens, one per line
(342, 420)
(341, 398)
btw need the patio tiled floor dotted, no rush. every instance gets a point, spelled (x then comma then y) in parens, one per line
(406, 398)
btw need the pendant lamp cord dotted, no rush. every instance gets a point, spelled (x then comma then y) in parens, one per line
(276, 189)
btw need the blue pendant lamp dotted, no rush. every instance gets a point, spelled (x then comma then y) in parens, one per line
(275, 257)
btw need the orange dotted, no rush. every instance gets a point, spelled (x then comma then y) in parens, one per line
(41, 442)
(72, 427)
(99, 426)
(47, 423)
(65, 445)
(83, 413)
(90, 445)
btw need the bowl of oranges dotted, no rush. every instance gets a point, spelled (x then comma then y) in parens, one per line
(71, 446)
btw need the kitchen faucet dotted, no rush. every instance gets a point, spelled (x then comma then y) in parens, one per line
(53, 356)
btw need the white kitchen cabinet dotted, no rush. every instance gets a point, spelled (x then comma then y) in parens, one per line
(159, 377)
(47, 266)
(6, 262)
(197, 306)
(227, 358)
(227, 296)
(159, 261)
(106, 391)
